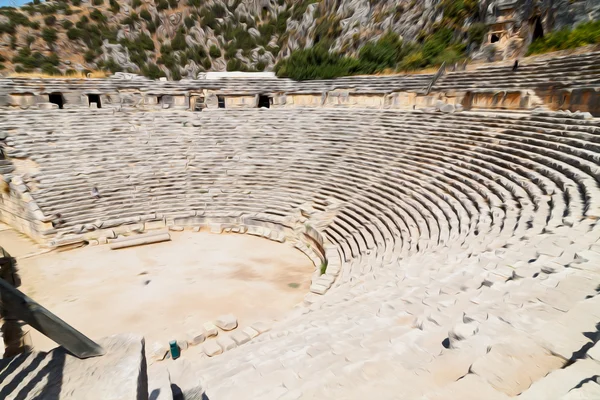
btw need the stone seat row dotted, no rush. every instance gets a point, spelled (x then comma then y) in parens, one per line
(430, 220)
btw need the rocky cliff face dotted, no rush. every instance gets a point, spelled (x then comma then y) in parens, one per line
(180, 38)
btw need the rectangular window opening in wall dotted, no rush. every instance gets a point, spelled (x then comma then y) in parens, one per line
(199, 103)
(57, 98)
(264, 101)
(94, 98)
(159, 99)
(221, 101)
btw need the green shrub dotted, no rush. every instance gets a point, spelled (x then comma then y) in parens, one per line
(50, 69)
(260, 66)
(582, 35)
(76, 3)
(8, 27)
(49, 35)
(315, 63)
(236, 65)
(413, 62)
(178, 42)
(50, 20)
(383, 54)
(477, 32)
(162, 5)
(112, 66)
(436, 43)
(29, 61)
(74, 33)
(97, 15)
(152, 71)
(145, 14)
(206, 63)
(151, 26)
(136, 3)
(146, 42)
(214, 51)
(230, 51)
(97, 2)
(131, 19)
(70, 72)
(67, 24)
(89, 56)
(175, 74)
(189, 22)
(114, 6)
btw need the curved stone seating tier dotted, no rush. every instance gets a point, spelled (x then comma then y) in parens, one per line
(360, 84)
(458, 236)
(558, 72)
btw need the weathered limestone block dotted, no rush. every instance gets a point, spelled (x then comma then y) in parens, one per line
(240, 337)
(226, 343)
(47, 106)
(159, 384)
(186, 383)
(226, 322)
(212, 349)
(117, 375)
(210, 329)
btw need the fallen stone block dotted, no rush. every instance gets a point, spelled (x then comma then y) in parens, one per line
(195, 338)
(226, 343)
(212, 349)
(210, 329)
(118, 374)
(240, 337)
(226, 322)
(139, 240)
(251, 332)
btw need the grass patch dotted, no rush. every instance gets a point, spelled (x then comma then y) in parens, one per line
(323, 267)
(294, 285)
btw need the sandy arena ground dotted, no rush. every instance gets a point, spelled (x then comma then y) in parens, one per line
(164, 290)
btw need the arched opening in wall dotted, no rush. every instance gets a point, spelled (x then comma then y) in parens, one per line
(264, 101)
(538, 29)
(221, 101)
(94, 98)
(494, 38)
(57, 98)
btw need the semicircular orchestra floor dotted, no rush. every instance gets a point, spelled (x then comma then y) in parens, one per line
(165, 290)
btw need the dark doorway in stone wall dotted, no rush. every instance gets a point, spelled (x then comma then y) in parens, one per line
(57, 98)
(264, 101)
(538, 29)
(221, 101)
(94, 98)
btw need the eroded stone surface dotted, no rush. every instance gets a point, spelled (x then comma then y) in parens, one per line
(120, 374)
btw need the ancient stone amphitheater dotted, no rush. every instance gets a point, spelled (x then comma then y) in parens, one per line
(456, 251)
